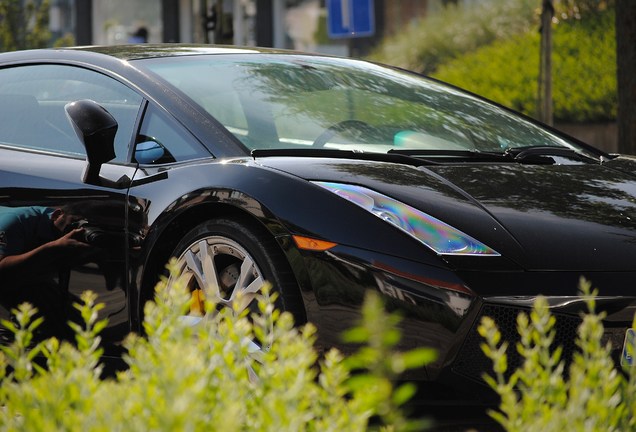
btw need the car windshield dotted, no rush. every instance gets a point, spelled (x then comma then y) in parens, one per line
(289, 101)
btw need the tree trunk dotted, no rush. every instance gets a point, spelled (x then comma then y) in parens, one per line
(545, 63)
(626, 74)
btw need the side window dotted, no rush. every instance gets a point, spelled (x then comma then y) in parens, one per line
(32, 100)
(163, 141)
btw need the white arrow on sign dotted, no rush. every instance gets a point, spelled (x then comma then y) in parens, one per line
(346, 19)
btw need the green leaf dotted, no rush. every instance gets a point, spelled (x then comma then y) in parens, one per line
(419, 357)
(404, 393)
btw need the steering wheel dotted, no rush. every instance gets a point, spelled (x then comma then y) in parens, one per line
(351, 124)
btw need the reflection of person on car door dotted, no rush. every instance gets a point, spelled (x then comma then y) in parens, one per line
(36, 239)
(37, 245)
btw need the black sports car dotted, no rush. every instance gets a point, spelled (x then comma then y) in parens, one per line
(326, 176)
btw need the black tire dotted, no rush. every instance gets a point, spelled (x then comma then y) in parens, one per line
(235, 256)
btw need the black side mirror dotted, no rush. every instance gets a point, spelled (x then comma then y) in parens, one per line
(96, 129)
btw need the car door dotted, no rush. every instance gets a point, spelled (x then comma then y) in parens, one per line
(60, 236)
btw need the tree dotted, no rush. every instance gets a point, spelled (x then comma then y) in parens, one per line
(626, 74)
(24, 24)
(545, 72)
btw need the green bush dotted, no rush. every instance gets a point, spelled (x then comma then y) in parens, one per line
(24, 24)
(593, 396)
(584, 70)
(205, 376)
(492, 49)
(453, 31)
(505, 72)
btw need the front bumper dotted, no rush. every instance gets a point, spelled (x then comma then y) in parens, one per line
(441, 310)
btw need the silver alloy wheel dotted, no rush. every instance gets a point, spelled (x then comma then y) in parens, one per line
(223, 269)
(227, 274)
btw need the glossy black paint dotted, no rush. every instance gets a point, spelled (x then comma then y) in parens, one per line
(551, 223)
(36, 181)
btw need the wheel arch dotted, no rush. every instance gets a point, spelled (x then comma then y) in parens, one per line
(172, 226)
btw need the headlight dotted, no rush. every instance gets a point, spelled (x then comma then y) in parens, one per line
(442, 238)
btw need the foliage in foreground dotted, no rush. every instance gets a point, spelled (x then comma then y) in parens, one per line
(538, 396)
(203, 377)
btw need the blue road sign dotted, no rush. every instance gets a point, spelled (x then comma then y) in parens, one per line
(350, 18)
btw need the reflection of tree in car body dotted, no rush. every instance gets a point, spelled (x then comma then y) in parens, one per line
(38, 245)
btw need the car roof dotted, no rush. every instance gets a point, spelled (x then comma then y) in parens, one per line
(129, 52)
(141, 51)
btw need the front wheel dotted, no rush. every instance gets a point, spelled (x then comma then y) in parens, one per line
(230, 261)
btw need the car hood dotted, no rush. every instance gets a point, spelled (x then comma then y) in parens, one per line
(574, 217)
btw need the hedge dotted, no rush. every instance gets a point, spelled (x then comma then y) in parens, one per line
(584, 70)
(544, 394)
(206, 376)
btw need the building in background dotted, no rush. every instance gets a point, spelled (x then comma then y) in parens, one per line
(288, 24)
(61, 18)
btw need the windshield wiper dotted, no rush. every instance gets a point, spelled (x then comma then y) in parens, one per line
(536, 155)
(541, 154)
(346, 154)
(454, 155)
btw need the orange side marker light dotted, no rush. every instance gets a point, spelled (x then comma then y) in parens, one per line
(308, 243)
